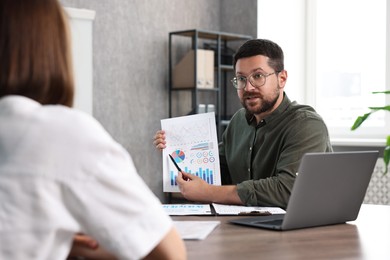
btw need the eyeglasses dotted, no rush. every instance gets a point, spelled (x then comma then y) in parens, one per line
(256, 79)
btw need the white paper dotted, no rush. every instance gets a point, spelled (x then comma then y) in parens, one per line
(195, 230)
(221, 209)
(192, 142)
(187, 209)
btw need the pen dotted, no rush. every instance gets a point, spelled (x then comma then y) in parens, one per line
(255, 213)
(173, 160)
(177, 167)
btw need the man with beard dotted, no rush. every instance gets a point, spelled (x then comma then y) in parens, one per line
(262, 147)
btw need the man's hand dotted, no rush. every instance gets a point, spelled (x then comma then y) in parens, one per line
(159, 140)
(194, 188)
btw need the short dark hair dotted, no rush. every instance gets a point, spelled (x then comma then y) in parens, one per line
(262, 47)
(35, 53)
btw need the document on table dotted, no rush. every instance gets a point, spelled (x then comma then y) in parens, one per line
(221, 209)
(192, 142)
(218, 209)
(187, 209)
(195, 230)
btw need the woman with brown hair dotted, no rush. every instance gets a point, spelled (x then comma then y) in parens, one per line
(61, 173)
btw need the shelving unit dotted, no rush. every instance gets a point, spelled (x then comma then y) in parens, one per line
(217, 95)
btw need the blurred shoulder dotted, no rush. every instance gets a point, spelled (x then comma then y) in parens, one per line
(49, 122)
(76, 125)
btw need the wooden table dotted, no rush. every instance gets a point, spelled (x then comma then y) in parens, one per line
(366, 238)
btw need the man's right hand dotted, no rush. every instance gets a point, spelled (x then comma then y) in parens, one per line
(159, 140)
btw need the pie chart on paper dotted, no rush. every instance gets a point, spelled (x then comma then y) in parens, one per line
(178, 156)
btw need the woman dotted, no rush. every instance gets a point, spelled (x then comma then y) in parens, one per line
(61, 174)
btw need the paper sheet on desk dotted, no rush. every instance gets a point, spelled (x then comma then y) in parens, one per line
(192, 142)
(221, 209)
(187, 209)
(195, 230)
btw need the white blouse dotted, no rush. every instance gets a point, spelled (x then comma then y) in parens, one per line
(62, 173)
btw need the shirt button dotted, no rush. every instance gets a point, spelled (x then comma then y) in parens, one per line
(250, 148)
(249, 169)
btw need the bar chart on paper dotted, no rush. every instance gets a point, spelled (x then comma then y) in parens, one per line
(199, 165)
(192, 143)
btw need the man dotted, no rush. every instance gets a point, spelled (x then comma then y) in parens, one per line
(262, 147)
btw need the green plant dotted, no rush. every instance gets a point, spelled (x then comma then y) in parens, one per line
(361, 119)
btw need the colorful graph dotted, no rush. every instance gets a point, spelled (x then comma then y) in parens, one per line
(205, 174)
(202, 146)
(193, 145)
(178, 156)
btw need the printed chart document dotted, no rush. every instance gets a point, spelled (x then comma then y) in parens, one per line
(221, 209)
(218, 209)
(192, 142)
(187, 209)
(195, 230)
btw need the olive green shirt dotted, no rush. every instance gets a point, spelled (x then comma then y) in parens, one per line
(263, 159)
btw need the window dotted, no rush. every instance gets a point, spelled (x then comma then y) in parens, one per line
(344, 51)
(348, 63)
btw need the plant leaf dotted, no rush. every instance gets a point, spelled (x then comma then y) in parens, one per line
(386, 158)
(386, 108)
(360, 120)
(386, 155)
(381, 92)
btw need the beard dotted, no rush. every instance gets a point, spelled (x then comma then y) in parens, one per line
(266, 103)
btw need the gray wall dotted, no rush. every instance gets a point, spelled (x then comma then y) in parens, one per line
(130, 64)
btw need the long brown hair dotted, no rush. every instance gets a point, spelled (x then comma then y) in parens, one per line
(35, 55)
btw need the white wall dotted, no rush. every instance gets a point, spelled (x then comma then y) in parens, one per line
(81, 33)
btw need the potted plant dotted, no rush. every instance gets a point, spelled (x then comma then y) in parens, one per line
(361, 119)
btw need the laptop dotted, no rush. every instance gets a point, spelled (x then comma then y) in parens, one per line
(329, 189)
